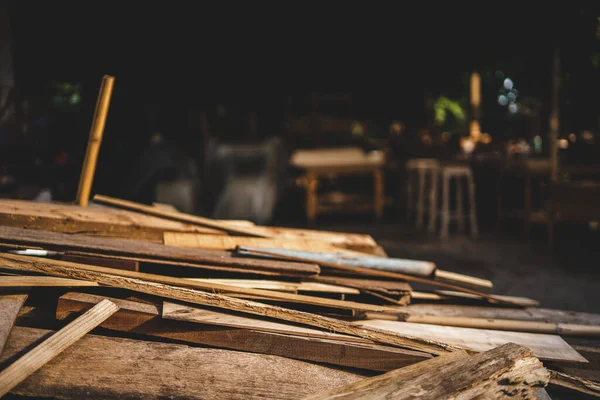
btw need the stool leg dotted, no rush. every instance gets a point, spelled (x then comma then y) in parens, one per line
(420, 199)
(473, 206)
(409, 193)
(445, 206)
(460, 217)
(433, 201)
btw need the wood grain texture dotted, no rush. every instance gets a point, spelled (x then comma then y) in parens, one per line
(129, 265)
(146, 251)
(577, 384)
(181, 217)
(35, 359)
(282, 286)
(507, 372)
(37, 281)
(388, 286)
(98, 367)
(10, 304)
(523, 314)
(545, 347)
(80, 271)
(454, 295)
(145, 319)
(92, 220)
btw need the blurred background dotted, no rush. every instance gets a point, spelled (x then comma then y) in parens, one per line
(219, 112)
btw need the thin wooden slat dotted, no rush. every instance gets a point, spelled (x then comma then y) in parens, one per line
(282, 286)
(10, 304)
(369, 284)
(545, 347)
(100, 367)
(37, 281)
(109, 277)
(577, 384)
(53, 346)
(208, 259)
(506, 372)
(443, 295)
(178, 216)
(143, 318)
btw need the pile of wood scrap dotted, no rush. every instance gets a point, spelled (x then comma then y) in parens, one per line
(120, 299)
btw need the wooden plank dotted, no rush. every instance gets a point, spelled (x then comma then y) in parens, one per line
(369, 284)
(545, 347)
(495, 324)
(522, 314)
(24, 238)
(10, 304)
(181, 217)
(99, 367)
(575, 383)
(453, 295)
(92, 220)
(282, 286)
(501, 373)
(130, 265)
(463, 280)
(143, 318)
(352, 241)
(182, 312)
(109, 277)
(37, 281)
(221, 242)
(35, 359)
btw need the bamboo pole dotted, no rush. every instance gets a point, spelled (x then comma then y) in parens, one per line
(93, 147)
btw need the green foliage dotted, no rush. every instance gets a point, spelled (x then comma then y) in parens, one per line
(444, 106)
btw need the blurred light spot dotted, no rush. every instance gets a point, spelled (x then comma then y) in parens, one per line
(587, 136)
(515, 91)
(486, 138)
(572, 137)
(74, 98)
(502, 100)
(445, 136)
(513, 107)
(537, 144)
(508, 84)
(563, 143)
(593, 225)
(499, 74)
(511, 97)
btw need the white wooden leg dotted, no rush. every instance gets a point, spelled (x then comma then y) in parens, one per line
(445, 206)
(472, 206)
(460, 215)
(433, 201)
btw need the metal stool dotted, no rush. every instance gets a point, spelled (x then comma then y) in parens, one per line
(420, 169)
(458, 173)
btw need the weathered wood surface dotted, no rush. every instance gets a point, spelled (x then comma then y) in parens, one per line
(130, 265)
(10, 304)
(455, 295)
(107, 277)
(545, 347)
(98, 367)
(36, 281)
(141, 250)
(143, 318)
(36, 358)
(507, 372)
(575, 383)
(390, 286)
(282, 286)
(182, 217)
(222, 242)
(92, 220)
(526, 314)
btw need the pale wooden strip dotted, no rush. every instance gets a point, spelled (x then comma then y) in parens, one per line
(9, 309)
(35, 281)
(122, 279)
(461, 279)
(281, 285)
(546, 347)
(53, 346)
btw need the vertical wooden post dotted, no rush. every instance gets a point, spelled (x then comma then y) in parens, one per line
(554, 117)
(93, 147)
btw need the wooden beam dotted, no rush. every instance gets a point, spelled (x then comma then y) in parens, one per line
(100, 367)
(143, 318)
(501, 373)
(10, 304)
(37, 281)
(109, 277)
(35, 359)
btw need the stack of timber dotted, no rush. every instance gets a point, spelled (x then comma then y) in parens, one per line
(121, 299)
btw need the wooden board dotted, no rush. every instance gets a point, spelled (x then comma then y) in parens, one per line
(523, 314)
(221, 242)
(36, 281)
(51, 347)
(143, 318)
(92, 220)
(110, 277)
(545, 347)
(182, 312)
(130, 265)
(141, 250)
(509, 371)
(452, 295)
(282, 286)
(369, 284)
(10, 304)
(98, 367)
